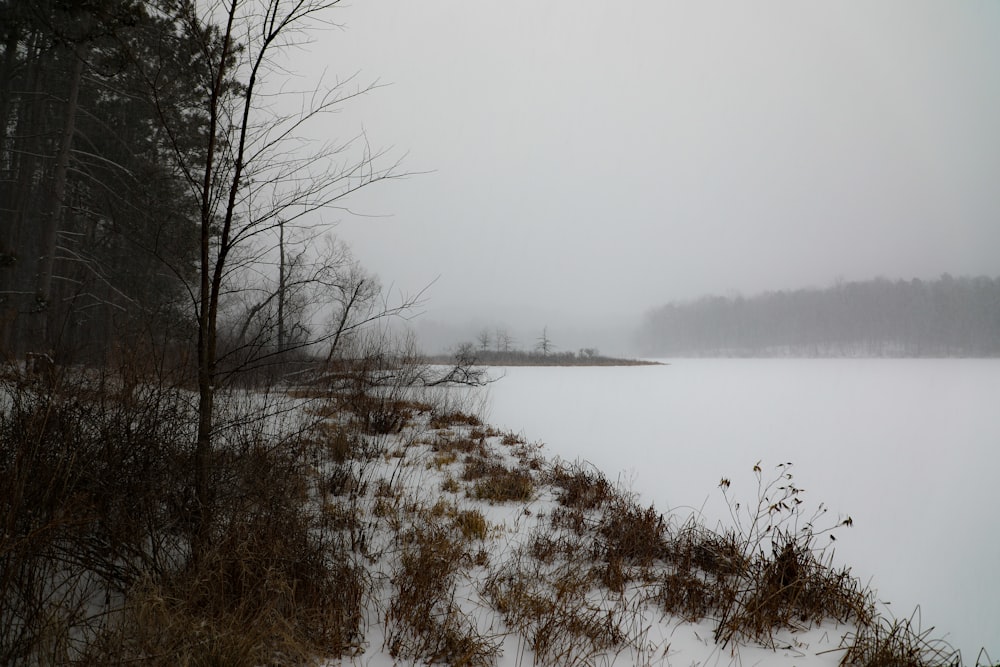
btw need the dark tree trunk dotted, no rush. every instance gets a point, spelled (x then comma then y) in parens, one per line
(52, 221)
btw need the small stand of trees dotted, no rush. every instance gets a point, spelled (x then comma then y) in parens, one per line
(498, 349)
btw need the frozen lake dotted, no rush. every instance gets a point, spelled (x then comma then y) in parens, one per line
(910, 449)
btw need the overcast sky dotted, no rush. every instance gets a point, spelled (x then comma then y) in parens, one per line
(591, 160)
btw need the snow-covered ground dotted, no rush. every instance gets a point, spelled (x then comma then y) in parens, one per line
(416, 466)
(910, 449)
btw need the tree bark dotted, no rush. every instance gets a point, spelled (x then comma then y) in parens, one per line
(208, 308)
(281, 285)
(54, 216)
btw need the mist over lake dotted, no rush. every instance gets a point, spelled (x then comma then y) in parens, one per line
(907, 448)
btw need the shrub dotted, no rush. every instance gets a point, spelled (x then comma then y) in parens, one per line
(269, 588)
(441, 420)
(695, 548)
(633, 535)
(581, 487)
(688, 595)
(790, 588)
(897, 643)
(785, 580)
(93, 486)
(502, 485)
(380, 412)
(495, 482)
(256, 599)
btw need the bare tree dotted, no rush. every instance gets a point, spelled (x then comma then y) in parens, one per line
(503, 340)
(544, 343)
(483, 338)
(257, 176)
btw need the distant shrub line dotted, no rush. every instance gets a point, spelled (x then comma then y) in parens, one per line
(531, 358)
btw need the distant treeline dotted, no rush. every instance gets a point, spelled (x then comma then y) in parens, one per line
(944, 317)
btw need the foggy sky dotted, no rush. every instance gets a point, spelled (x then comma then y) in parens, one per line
(588, 161)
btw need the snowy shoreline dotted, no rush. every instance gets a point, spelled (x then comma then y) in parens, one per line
(429, 463)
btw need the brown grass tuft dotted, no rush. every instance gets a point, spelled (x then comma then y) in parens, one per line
(500, 485)
(581, 486)
(424, 622)
(554, 609)
(633, 535)
(898, 643)
(471, 524)
(444, 420)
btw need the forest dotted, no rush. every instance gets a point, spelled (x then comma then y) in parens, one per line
(99, 231)
(946, 317)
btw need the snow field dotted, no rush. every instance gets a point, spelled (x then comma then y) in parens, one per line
(498, 599)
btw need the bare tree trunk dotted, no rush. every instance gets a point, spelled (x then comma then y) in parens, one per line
(208, 309)
(281, 285)
(25, 147)
(6, 73)
(53, 217)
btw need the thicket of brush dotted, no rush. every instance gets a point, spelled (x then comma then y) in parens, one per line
(96, 559)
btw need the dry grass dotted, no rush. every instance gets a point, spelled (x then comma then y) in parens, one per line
(703, 564)
(423, 621)
(442, 459)
(581, 486)
(482, 432)
(500, 484)
(380, 413)
(548, 547)
(447, 449)
(254, 600)
(269, 589)
(632, 534)
(339, 443)
(557, 610)
(790, 588)
(785, 579)
(752, 580)
(341, 480)
(688, 595)
(510, 439)
(471, 524)
(696, 548)
(442, 420)
(450, 485)
(898, 643)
